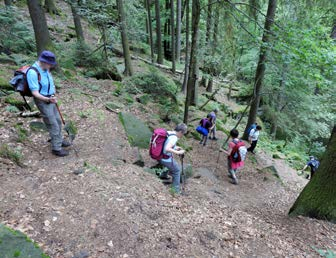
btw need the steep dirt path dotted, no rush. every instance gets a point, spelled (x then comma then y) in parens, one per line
(115, 209)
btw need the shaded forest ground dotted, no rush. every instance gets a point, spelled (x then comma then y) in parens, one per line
(116, 209)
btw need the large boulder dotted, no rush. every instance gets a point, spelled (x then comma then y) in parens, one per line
(137, 131)
(13, 243)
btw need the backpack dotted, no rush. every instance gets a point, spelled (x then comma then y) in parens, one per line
(157, 143)
(253, 126)
(20, 83)
(239, 152)
(315, 163)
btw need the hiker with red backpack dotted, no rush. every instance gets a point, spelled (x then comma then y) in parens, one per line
(236, 155)
(205, 126)
(41, 86)
(163, 146)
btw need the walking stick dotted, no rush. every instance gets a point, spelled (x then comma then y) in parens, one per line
(183, 174)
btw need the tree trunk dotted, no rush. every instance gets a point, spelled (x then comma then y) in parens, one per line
(172, 22)
(40, 26)
(8, 3)
(150, 28)
(167, 33)
(50, 7)
(208, 22)
(318, 198)
(214, 47)
(260, 72)
(127, 56)
(158, 32)
(178, 29)
(186, 67)
(253, 6)
(193, 73)
(77, 21)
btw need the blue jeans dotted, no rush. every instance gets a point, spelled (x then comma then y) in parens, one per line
(175, 170)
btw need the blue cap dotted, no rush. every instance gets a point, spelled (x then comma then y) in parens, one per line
(47, 57)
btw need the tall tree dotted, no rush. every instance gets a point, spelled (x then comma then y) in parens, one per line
(253, 7)
(50, 6)
(186, 66)
(150, 28)
(123, 30)
(261, 67)
(166, 32)
(333, 31)
(8, 3)
(318, 198)
(178, 29)
(172, 22)
(77, 20)
(158, 32)
(193, 63)
(40, 26)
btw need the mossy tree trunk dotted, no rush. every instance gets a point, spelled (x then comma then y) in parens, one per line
(127, 56)
(158, 32)
(178, 29)
(42, 36)
(186, 66)
(193, 63)
(172, 28)
(150, 28)
(318, 198)
(261, 67)
(77, 20)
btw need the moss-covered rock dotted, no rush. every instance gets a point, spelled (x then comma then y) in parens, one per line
(37, 126)
(12, 100)
(137, 131)
(4, 84)
(13, 243)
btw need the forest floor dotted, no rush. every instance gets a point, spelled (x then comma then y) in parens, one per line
(116, 209)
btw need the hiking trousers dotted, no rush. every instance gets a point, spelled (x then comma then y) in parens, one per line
(175, 170)
(53, 122)
(253, 146)
(213, 132)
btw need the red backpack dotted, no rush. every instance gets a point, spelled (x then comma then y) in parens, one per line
(157, 143)
(238, 152)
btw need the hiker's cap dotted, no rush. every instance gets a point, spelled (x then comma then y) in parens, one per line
(47, 57)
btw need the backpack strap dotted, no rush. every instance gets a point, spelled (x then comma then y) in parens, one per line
(38, 77)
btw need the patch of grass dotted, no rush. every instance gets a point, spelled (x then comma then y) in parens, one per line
(91, 167)
(13, 155)
(11, 100)
(12, 109)
(22, 134)
(17, 254)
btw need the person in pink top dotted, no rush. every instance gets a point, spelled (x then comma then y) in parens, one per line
(233, 166)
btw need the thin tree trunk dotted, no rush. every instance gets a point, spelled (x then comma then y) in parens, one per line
(186, 69)
(77, 21)
(50, 7)
(318, 198)
(150, 27)
(214, 46)
(127, 56)
(260, 72)
(8, 3)
(158, 32)
(333, 31)
(252, 9)
(178, 29)
(172, 22)
(193, 74)
(166, 41)
(42, 36)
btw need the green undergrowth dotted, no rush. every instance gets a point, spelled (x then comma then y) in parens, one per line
(14, 155)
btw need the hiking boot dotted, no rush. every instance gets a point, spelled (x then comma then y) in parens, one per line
(229, 175)
(65, 144)
(60, 153)
(234, 180)
(214, 138)
(164, 177)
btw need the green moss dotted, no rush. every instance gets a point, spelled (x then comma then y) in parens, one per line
(12, 100)
(137, 131)
(4, 84)
(8, 153)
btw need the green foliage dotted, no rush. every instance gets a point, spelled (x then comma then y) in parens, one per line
(325, 253)
(12, 109)
(22, 134)
(14, 33)
(11, 154)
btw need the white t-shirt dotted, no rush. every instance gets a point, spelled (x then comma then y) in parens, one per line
(254, 134)
(172, 139)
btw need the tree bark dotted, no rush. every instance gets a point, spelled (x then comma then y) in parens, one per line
(261, 67)
(333, 31)
(8, 3)
(178, 29)
(77, 21)
(158, 32)
(193, 64)
(127, 56)
(42, 36)
(50, 7)
(150, 28)
(186, 67)
(253, 6)
(173, 44)
(318, 198)
(167, 33)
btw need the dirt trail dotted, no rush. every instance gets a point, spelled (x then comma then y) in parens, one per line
(115, 209)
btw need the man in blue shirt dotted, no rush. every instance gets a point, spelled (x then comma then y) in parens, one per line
(313, 163)
(44, 92)
(212, 133)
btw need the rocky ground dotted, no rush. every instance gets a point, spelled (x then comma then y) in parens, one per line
(115, 209)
